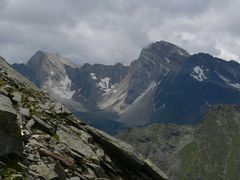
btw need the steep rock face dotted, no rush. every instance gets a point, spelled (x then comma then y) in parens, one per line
(133, 98)
(93, 81)
(160, 143)
(153, 64)
(46, 64)
(27, 72)
(207, 151)
(202, 82)
(91, 84)
(50, 72)
(57, 145)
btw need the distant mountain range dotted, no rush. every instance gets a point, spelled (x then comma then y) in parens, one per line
(165, 84)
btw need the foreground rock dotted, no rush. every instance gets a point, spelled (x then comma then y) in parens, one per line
(10, 137)
(56, 145)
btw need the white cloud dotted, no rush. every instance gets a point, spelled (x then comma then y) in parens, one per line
(105, 31)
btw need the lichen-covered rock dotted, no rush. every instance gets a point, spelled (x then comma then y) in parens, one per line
(126, 154)
(10, 135)
(44, 170)
(75, 143)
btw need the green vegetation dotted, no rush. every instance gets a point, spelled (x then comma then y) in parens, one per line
(215, 152)
(2, 83)
(12, 167)
(189, 157)
(55, 138)
(18, 134)
(233, 161)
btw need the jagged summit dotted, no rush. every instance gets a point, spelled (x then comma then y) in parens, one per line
(163, 49)
(161, 44)
(155, 62)
(50, 56)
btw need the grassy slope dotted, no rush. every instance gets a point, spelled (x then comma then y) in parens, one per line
(215, 152)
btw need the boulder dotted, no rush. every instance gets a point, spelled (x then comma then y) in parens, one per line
(125, 154)
(76, 144)
(44, 170)
(17, 97)
(25, 112)
(44, 126)
(3, 91)
(10, 133)
(74, 178)
(60, 109)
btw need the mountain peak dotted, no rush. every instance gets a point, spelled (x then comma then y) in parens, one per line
(155, 62)
(52, 57)
(50, 71)
(164, 48)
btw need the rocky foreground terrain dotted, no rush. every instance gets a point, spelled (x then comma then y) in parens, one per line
(41, 139)
(210, 150)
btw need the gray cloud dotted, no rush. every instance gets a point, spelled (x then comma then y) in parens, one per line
(105, 31)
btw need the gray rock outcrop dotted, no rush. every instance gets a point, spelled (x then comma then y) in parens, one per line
(10, 133)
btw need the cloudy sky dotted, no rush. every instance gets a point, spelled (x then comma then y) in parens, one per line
(107, 31)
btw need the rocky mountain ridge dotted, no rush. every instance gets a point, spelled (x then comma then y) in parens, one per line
(164, 85)
(43, 140)
(204, 81)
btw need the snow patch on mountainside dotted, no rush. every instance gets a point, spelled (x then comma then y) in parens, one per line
(161, 107)
(207, 103)
(63, 90)
(181, 53)
(167, 60)
(151, 86)
(235, 85)
(104, 84)
(223, 78)
(60, 88)
(93, 76)
(198, 74)
(147, 58)
(229, 82)
(114, 99)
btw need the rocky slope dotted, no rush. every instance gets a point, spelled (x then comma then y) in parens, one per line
(41, 139)
(209, 150)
